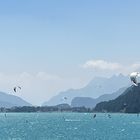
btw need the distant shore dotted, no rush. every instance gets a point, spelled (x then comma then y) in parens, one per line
(50, 109)
(31, 109)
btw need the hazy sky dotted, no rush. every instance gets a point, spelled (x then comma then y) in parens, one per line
(48, 46)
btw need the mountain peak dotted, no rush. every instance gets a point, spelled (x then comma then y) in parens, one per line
(97, 87)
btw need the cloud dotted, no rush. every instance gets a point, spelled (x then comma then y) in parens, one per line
(102, 65)
(136, 66)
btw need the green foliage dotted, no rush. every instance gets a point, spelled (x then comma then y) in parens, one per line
(128, 102)
(58, 108)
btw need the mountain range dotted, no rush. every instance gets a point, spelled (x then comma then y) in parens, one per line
(91, 102)
(97, 87)
(7, 100)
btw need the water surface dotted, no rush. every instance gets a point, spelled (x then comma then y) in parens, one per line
(69, 126)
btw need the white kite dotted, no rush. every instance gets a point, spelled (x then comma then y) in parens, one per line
(133, 77)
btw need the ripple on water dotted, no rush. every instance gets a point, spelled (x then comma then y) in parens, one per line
(53, 126)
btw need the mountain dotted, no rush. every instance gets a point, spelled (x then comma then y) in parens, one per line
(7, 100)
(83, 102)
(128, 102)
(97, 87)
(91, 102)
(63, 106)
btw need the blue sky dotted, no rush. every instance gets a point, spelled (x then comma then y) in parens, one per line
(57, 37)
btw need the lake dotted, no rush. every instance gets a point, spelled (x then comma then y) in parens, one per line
(69, 126)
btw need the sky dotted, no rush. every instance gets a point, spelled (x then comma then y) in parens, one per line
(48, 46)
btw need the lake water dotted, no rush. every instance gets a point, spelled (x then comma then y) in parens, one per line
(69, 126)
